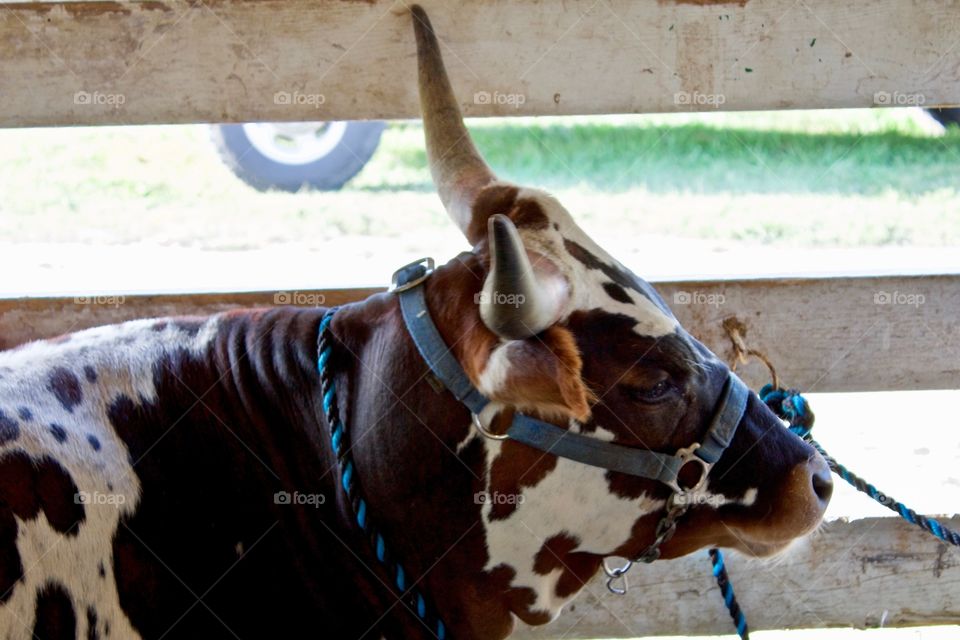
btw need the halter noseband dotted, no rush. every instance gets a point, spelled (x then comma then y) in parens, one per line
(407, 284)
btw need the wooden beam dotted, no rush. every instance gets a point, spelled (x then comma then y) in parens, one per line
(823, 334)
(833, 334)
(171, 61)
(26, 319)
(865, 574)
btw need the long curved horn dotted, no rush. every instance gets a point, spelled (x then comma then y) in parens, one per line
(459, 172)
(518, 300)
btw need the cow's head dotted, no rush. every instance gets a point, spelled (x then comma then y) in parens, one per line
(545, 322)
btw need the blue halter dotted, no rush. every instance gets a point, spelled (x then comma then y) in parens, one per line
(550, 438)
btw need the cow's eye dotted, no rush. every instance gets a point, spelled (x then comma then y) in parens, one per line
(651, 394)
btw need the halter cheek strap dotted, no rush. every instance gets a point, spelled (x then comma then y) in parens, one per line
(665, 468)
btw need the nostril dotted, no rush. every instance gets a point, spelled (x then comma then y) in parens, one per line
(823, 485)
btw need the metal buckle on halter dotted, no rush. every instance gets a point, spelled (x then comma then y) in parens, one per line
(686, 456)
(409, 276)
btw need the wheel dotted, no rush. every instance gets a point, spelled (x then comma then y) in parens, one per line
(293, 155)
(946, 116)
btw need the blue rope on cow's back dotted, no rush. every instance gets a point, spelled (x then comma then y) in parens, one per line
(413, 598)
(790, 405)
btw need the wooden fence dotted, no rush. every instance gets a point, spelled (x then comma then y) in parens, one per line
(69, 63)
(171, 61)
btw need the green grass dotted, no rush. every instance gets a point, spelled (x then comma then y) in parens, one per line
(839, 178)
(696, 158)
(738, 153)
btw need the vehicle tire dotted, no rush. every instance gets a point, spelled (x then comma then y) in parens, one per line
(946, 116)
(294, 155)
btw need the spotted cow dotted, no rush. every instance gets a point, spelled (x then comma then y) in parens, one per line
(173, 478)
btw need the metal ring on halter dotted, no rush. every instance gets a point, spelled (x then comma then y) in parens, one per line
(483, 430)
(688, 455)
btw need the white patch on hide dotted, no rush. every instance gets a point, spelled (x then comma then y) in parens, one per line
(587, 284)
(573, 499)
(494, 376)
(123, 358)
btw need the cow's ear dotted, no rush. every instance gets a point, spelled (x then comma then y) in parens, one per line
(541, 374)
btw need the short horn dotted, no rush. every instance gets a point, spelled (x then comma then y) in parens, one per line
(459, 172)
(517, 301)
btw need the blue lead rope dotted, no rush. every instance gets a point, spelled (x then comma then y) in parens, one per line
(726, 590)
(789, 405)
(414, 598)
(792, 407)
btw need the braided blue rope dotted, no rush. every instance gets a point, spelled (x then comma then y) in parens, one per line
(792, 407)
(414, 597)
(726, 590)
(789, 405)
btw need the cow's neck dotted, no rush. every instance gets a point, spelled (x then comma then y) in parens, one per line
(260, 377)
(419, 466)
(260, 374)
(422, 468)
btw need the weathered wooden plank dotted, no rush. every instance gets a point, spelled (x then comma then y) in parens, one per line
(866, 573)
(26, 319)
(824, 334)
(834, 334)
(182, 61)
